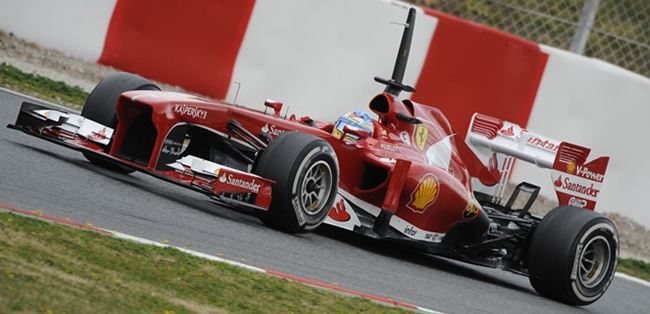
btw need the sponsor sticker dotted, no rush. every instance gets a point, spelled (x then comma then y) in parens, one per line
(420, 135)
(425, 194)
(404, 136)
(190, 111)
(342, 215)
(577, 202)
(414, 232)
(531, 139)
(338, 211)
(585, 173)
(410, 230)
(98, 136)
(471, 210)
(577, 186)
(272, 130)
(172, 148)
(508, 132)
(433, 237)
(571, 166)
(389, 147)
(242, 183)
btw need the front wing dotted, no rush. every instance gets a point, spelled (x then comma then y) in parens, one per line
(225, 185)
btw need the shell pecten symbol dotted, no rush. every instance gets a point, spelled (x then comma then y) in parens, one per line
(571, 166)
(425, 194)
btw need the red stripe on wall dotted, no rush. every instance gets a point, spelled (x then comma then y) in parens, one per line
(473, 68)
(190, 44)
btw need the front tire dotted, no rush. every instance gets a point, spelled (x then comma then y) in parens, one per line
(306, 172)
(573, 255)
(100, 107)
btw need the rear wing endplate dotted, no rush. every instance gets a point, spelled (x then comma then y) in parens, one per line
(498, 143)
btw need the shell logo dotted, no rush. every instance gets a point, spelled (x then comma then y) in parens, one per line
(571, 166)
(424, 195)
(471, 210)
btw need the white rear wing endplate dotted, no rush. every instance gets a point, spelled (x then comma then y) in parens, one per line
(498, 143)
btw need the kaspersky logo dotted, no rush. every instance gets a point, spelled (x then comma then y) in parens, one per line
(424, 194)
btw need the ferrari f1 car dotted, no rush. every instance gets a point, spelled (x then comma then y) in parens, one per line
(404, 176)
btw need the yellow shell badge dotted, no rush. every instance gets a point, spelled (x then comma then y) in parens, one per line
(471, 210)
(421, 136)
(424, 194)
(571, 166)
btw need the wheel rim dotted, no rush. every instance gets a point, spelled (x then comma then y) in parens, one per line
(594, 261)
(316, 187)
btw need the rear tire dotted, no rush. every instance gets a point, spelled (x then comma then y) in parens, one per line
(100, 107)
(573, 255)
(306, 172)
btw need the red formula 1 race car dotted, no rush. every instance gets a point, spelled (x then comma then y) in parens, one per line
(404, 176)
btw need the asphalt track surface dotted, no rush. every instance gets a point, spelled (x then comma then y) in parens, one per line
(35, 174)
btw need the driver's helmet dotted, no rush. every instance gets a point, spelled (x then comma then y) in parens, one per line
(355, 119)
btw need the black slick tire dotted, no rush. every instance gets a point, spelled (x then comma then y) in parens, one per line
(100, 107)
(305, 169)
(573, 255)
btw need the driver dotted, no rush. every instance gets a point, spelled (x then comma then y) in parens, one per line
(358, 120)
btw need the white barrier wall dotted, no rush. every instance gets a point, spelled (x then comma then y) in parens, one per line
(291, 54)
(74, 26)
(598, 105)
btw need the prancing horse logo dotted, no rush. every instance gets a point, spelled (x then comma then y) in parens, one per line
(421, 136)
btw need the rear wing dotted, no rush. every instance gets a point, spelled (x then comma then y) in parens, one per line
(499, 143)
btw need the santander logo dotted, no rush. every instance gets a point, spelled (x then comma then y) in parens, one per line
(101, 135)
(568, 185)
(338, 212)
(272, 130)
(508, 132)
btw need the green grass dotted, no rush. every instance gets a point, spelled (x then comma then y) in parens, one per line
(41, 87)
(636, 268)
(53, 268)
